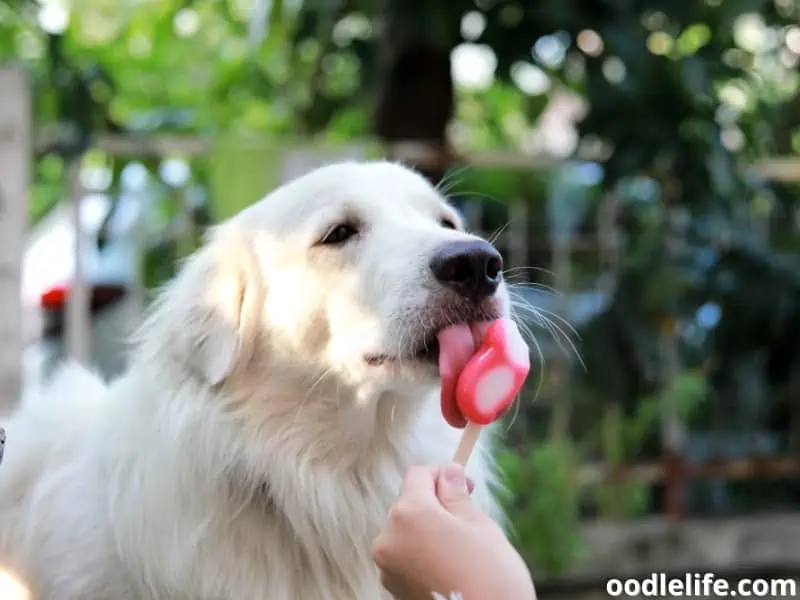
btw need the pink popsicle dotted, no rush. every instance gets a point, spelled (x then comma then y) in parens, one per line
(458, 344)
(490, 381)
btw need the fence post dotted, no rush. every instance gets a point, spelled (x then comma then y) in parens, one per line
(518, 235)
(673, 429)
(78, 325)
(15, 154)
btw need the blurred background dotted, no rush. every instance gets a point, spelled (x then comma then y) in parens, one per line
(635, 160)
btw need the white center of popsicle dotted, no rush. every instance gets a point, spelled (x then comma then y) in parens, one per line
(494, 388)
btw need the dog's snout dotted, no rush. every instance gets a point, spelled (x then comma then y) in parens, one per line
(473, 268)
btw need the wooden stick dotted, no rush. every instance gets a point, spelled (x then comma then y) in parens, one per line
(468, 439)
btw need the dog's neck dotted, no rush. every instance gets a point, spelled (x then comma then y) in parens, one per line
(328, 415)
(360, 469)
(366, 438)
(380, 419)
(328, 429)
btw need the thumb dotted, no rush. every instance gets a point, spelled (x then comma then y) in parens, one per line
(452, 489)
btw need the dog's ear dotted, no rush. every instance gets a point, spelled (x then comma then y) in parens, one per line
(223, 297)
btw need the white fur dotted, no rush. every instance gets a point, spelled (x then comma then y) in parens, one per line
(250, 451)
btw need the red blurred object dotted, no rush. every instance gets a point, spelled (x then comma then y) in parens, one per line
(54, 298)
(53, 303)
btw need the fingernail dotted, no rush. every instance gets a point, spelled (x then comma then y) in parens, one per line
(455, 476)
(470, 485)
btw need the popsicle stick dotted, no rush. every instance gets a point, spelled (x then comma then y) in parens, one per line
(468, 439)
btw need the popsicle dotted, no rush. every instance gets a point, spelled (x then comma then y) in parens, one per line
(482, 368)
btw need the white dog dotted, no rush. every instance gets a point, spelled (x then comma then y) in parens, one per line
(278, 391)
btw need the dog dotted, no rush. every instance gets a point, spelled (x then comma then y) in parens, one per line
(277, 391)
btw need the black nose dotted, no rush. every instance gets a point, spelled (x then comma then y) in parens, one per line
(473, 269)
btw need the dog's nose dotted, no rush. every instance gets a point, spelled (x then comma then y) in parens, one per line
(473, 268)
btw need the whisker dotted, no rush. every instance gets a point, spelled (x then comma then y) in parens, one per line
(528, 333)
(540, 313)
(480, 195)
(497, 233)
(535, 269)
(516, 403)
(536, 286)
(553, 324)
(561, 320)
(555, 327)
(555, 333)
(446, 183)
(446, 190)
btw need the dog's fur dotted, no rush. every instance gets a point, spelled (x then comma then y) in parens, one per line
(250, 451)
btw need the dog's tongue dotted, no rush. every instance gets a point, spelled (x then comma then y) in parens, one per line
(457, 344)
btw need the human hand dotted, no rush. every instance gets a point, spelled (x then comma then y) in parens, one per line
(437, 540)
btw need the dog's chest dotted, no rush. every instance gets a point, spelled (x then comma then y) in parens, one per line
(313, 541)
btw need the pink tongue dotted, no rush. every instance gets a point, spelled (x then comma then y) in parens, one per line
(457, 344)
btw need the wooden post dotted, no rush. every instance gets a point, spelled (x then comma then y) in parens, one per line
(78, 324)
(673, 430)
(608, 238)
(518, 234)
(562, 403)
(15, 156)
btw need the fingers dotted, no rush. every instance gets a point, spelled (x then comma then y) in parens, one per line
(417, 497)
(419, 484)
(453, 490)
(451, 484)
(424, 491)
(422, 482)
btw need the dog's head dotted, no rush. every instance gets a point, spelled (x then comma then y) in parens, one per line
(348, 273)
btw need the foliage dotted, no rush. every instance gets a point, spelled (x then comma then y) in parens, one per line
(623, 438)
(542, 504)
(543, 495)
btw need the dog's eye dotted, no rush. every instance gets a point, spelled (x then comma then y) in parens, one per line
(447, 224)
(339, 234)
